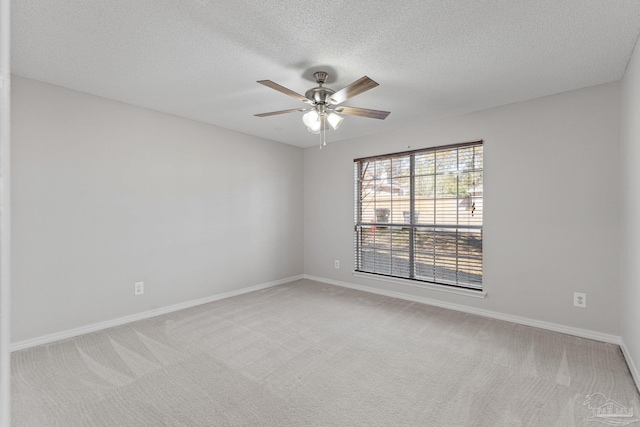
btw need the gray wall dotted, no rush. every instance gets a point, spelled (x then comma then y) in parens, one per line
(551, 205)
(630, 213)
(106, 194)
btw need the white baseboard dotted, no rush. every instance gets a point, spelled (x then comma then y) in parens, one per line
(46, 339)
(583, 333)
(631, 364)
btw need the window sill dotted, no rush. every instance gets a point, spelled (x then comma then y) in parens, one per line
(422, 285)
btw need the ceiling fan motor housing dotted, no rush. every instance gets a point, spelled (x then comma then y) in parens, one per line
(319, 95)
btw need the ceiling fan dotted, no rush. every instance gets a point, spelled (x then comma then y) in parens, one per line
(325, 103)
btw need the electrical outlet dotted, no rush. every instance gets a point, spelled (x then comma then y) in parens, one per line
(138, 288)
(337, 263)
(580, 299)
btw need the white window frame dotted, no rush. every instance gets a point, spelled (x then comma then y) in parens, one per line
(458, 270)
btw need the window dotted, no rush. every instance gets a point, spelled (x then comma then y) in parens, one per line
(418, 215)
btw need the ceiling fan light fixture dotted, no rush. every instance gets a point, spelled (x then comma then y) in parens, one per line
(334, 120)
(315, 126)
(311, 119)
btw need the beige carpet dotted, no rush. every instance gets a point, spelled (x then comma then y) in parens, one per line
(310, 354)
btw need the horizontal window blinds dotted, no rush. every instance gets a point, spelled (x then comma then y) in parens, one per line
(418, 215)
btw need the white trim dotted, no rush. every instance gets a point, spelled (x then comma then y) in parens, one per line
(631, 364)
(423, 285)
(583, 333)
(5, 213)
(46, 339)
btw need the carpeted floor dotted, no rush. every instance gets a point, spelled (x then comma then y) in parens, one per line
(310, 354)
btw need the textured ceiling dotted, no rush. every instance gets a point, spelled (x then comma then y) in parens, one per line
(200, 59)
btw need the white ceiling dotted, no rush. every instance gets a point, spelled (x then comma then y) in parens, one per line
(200, 59)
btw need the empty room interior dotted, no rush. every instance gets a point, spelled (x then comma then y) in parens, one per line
(276, 214)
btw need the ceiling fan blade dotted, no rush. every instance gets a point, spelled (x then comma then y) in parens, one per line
(282, 89)
(363, 84)
(363, 112)
(274, 113)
